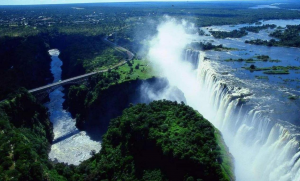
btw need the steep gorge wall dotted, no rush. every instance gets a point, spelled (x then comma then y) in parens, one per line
(75, 50)
(25, 62)
(110, 102)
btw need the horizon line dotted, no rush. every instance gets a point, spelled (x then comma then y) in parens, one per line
(136, 1)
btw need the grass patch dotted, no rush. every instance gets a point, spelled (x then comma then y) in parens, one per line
(257, 69)
(105, 60)
(273, 69)
(224, 49)
(135, 69)
(276, 72)
(258, 58)
(262, 77)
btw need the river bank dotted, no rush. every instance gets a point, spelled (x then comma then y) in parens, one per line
(70, 145)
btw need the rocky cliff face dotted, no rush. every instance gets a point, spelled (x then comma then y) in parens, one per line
(110, 103)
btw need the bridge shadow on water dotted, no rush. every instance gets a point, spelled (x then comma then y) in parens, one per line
(57, 140)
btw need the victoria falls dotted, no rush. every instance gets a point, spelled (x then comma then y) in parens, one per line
(195, 90)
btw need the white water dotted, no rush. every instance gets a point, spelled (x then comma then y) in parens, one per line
(70, 144)
(263, 149)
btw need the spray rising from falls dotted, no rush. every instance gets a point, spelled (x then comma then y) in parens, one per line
(263, 149)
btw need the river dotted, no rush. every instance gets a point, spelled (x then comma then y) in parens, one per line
(258, 121)
(261, 128)
(276, 88)
(70, 145)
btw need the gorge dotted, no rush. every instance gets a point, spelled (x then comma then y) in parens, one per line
(70, 145)
(264, 148)
(150, 91)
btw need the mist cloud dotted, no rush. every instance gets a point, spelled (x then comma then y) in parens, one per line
(259, 154)
(165, 54)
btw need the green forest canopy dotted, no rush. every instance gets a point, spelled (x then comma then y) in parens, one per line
(160, 141)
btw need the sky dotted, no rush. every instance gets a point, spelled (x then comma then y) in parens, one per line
(28, 2)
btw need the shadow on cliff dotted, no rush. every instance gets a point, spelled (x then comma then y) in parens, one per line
(114, 100)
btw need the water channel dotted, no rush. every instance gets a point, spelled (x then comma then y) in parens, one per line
(70, 145)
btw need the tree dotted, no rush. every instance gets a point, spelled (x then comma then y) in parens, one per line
(252, 66)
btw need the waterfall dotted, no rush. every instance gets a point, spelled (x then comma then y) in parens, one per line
(264, 149)
(192, 57)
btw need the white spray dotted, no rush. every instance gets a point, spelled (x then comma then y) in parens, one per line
(263, 149)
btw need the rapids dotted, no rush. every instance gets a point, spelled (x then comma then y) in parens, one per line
(70, 145)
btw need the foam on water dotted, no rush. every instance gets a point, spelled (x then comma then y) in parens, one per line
(70, 145)
(264, 148)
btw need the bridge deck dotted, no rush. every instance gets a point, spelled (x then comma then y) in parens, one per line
(130, 57)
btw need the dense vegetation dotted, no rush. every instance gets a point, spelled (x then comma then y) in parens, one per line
(273, 69)
(288, 37)
(25, 62)
(25, 137)
(78, 32)
(160, 141)
(148, 142)
(230, 34)
(164, 134)
(81, 53)
(105, 17)
(84, 101)
(271, 42)
(256, 29)
(257, 58)
(241, 31)
(208, 46)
